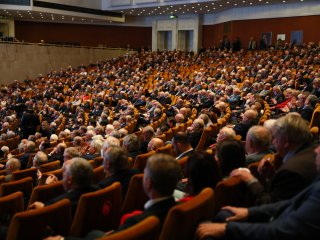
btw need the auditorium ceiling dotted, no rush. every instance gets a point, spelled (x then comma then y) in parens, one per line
(126, 9)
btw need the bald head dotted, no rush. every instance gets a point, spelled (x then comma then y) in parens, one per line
(258, 139)
(154, 144)
(249, 115)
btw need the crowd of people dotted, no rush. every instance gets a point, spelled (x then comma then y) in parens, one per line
(125, 107)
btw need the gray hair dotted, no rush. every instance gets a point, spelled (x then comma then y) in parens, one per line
(80, 170)
(72, 152)
(260, 136)
(117, 158)
(131, 143)
(293, 128)
(40, 158)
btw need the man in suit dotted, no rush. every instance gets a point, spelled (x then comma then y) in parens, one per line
(309, 105)
(257, 144)
(296, 218)
(77, 179)
(182, 145)
(293, 142)
(29, 122)
(161, 176)
(249, 118)
(116, 166)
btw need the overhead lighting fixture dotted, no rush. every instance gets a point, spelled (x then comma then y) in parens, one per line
(173, 16)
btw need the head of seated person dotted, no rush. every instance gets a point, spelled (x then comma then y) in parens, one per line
(230, 155)
(202, 171)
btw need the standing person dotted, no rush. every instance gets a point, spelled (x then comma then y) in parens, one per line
(252, 44)
(29, 122)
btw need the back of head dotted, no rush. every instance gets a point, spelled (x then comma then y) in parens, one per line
(249, 115)
(115, 159)
(293, 129)
(226, 133)
(131, 143)
(202, 171)
(181, 137)
(80, 170)
(231, 155)
(39, 159)
(259, 137)
(155, 143)
(71, 152)
(164, 172)
(13, 164)
(110, 142)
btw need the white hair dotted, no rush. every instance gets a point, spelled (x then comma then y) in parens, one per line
(54, 137)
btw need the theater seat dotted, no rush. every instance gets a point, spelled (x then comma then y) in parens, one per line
(147, 229)
(9, 206)
(99, 210)
(183, 219)
(40, 223)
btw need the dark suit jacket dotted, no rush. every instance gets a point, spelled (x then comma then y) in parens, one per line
(242, 129)
(293, 176)
(306, 112)
(256, 157)
(159, 210)
(185, 154)
(91, 156)
(74, 196)
(297, 218)
(123, 177)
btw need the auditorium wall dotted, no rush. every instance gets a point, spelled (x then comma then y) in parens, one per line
(27, 61)
(86, 35)
(244, 29)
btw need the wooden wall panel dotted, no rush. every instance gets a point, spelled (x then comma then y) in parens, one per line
(244, 29)
(86, 35)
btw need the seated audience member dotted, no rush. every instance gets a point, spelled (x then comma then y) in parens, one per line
(57, 153)
(195, 132)
(29, 148)
(69, 153)
(77, 180)
(131, 144)
(257, 144)
(116, 166)
(39, 159)
(206, 119)
(154, 144)
(12, 165)
(146, 135)
(293, 142)
(179, 119)
(201, 171)
(295, 218)
(161, 176)
(230, 155)
(5, 154)
(225, 133)
(181, 144)
(308, 108)
(248, 120)
(94, 150)
(110, 142)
